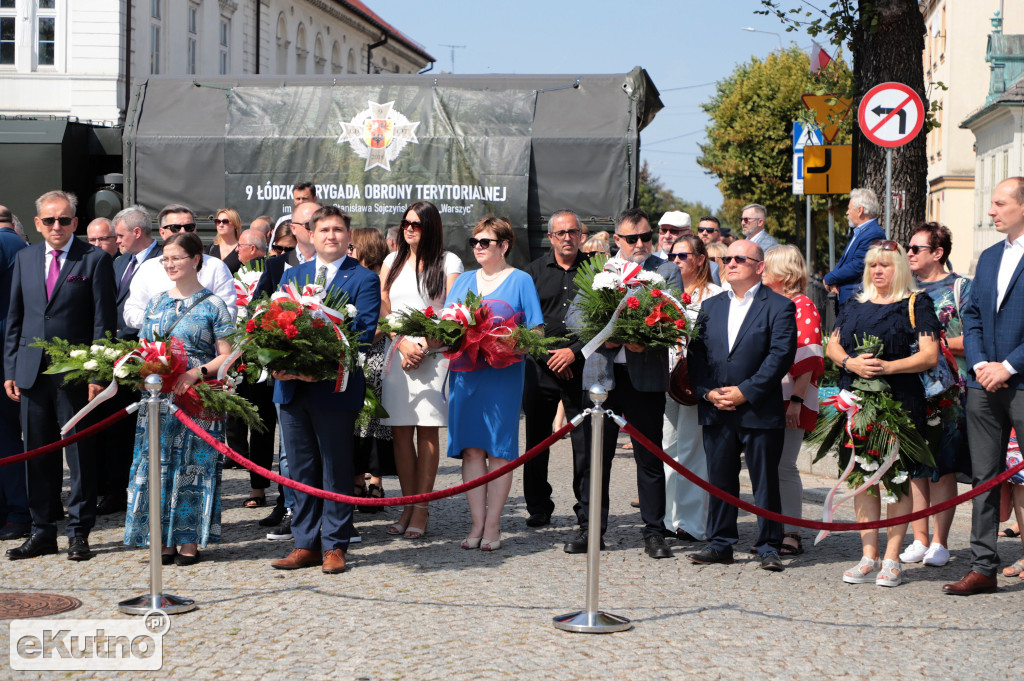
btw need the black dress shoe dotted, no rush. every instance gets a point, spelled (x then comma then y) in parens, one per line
(112, 503)
(655, 547)
(181, 560)
(15, 531)
(578, 544)
(34, 546)
(538, 520)
(710, 555)
(772, 562)
(683, 535)
(276, 515)
(168, 558)
(78, 548)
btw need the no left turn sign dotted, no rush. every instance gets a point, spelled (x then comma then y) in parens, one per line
(891, 114)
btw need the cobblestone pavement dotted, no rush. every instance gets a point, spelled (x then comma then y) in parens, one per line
(425, 609)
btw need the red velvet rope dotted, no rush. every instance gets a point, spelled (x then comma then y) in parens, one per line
(367, 501)
(69, 440)
(816, 524)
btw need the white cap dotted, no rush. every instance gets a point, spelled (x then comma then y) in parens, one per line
(675, 218)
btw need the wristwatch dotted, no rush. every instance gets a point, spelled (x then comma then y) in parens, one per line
(797, 399)
(845, 360)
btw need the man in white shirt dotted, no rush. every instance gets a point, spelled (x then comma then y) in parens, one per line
(150, 280)
(753, 226)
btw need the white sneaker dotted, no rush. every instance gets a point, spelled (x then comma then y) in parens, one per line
(914, 553)
(937, 556)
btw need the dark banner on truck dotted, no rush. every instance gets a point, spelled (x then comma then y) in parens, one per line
(374, 150)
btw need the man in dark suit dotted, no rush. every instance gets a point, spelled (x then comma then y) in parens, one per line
(746, 345)
(994, 349)
(317, 423)
(15, 522)
(61, 288)
(862, 214)
(636, 379)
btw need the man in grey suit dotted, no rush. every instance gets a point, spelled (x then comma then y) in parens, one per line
(636, 379)
(61, 288)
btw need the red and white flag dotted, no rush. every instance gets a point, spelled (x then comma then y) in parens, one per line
(819, 57)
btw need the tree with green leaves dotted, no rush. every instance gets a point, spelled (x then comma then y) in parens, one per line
(749, 143)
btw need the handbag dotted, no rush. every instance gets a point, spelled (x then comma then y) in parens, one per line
(941, 377)
(679, 388)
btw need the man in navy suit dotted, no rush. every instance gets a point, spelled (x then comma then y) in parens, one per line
(61, 288)
(636, 379)
(994, 349)
(746, 345)
(318, 424)
(862, 214)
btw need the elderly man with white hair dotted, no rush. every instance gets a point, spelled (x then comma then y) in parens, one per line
(862, 215)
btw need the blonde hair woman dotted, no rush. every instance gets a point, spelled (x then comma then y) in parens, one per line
(225, 246)
(882, 309)
(786, 273)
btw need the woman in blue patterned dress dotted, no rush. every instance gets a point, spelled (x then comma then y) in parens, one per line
(483, 406)
(191, 470)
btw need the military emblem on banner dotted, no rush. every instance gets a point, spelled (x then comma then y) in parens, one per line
(378, 134)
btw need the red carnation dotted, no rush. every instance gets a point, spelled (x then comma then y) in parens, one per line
(290, 331)
(874, 452)
(632, 303)
(250, 326)
(656, 293)
(429, 312)
(945, 403)
(241, 368)
(268, 323)
(686, 298)
(680, 324)
(317, 323)
(286, 319)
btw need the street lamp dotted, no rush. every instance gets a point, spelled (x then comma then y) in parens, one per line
(755, 30)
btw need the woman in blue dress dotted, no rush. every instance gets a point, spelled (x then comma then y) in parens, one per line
(483, 406)
(190, 475)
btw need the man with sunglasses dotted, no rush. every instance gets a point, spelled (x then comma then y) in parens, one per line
(746, 345)
(862, 214)
(636, 379)
(151, 279)
(61, 288)
(673, 224)
(752, 223)
(709, 229)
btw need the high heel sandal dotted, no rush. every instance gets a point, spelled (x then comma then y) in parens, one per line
(471, 542)
(395, 529)
(413, 532)
(490, 544)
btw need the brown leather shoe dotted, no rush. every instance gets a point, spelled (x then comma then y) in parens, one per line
(973, 583)
(299, 558)
(334, 562)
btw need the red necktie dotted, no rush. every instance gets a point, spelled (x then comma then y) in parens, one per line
(53, 274)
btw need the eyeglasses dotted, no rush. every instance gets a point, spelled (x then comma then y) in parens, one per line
(412, 224)
(222, 222)
(680, 256)
(917, 249)
(885, 245)
(241, 245)
(282, 249)
(64, 222)
(707, 230)
(172, 260)
(749, 219)
(482, 243)
(670, 230)
(565, 234)
(740, 259)
(188, 227)
(632, 238)
(98, 239)
(304, 225)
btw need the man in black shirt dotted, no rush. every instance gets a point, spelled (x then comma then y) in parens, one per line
(561, 378)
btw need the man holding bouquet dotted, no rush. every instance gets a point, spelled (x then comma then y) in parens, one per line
(317, 422)
(636, 379)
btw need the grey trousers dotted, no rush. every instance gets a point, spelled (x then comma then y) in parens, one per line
(990, 416)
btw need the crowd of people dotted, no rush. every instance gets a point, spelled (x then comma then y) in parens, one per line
(754, 367)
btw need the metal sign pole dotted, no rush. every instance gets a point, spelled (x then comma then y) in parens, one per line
(831, 236)
(888, 192)
(808, 232)
(591, 620)
(155, 599)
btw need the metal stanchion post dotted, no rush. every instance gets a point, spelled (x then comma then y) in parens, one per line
(591, 620)
(155, 599)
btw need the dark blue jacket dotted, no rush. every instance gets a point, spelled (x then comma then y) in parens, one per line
(992, 335)
(848, 274)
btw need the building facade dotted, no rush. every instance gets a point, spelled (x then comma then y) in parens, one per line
(955, 56)
(64, 58)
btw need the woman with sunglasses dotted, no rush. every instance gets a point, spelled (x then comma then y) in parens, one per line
(785, 272)
(191, 469)
(882, 309)
(225, 245)
(686, 505)
(484, 405)
(416, 276)
(282, 239)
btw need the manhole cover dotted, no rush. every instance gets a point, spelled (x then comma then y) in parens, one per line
(19, 606)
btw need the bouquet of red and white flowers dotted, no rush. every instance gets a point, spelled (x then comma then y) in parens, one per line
(303, 331)
(246, 279)
(621, 302)
(477, 332)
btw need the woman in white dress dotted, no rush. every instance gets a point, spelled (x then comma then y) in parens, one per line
(686, 505)
(417, 275)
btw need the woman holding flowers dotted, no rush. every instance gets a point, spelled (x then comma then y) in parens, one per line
(417, 276)
(484, 404)
(686, 505)
(881, 314)
(190, 469)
